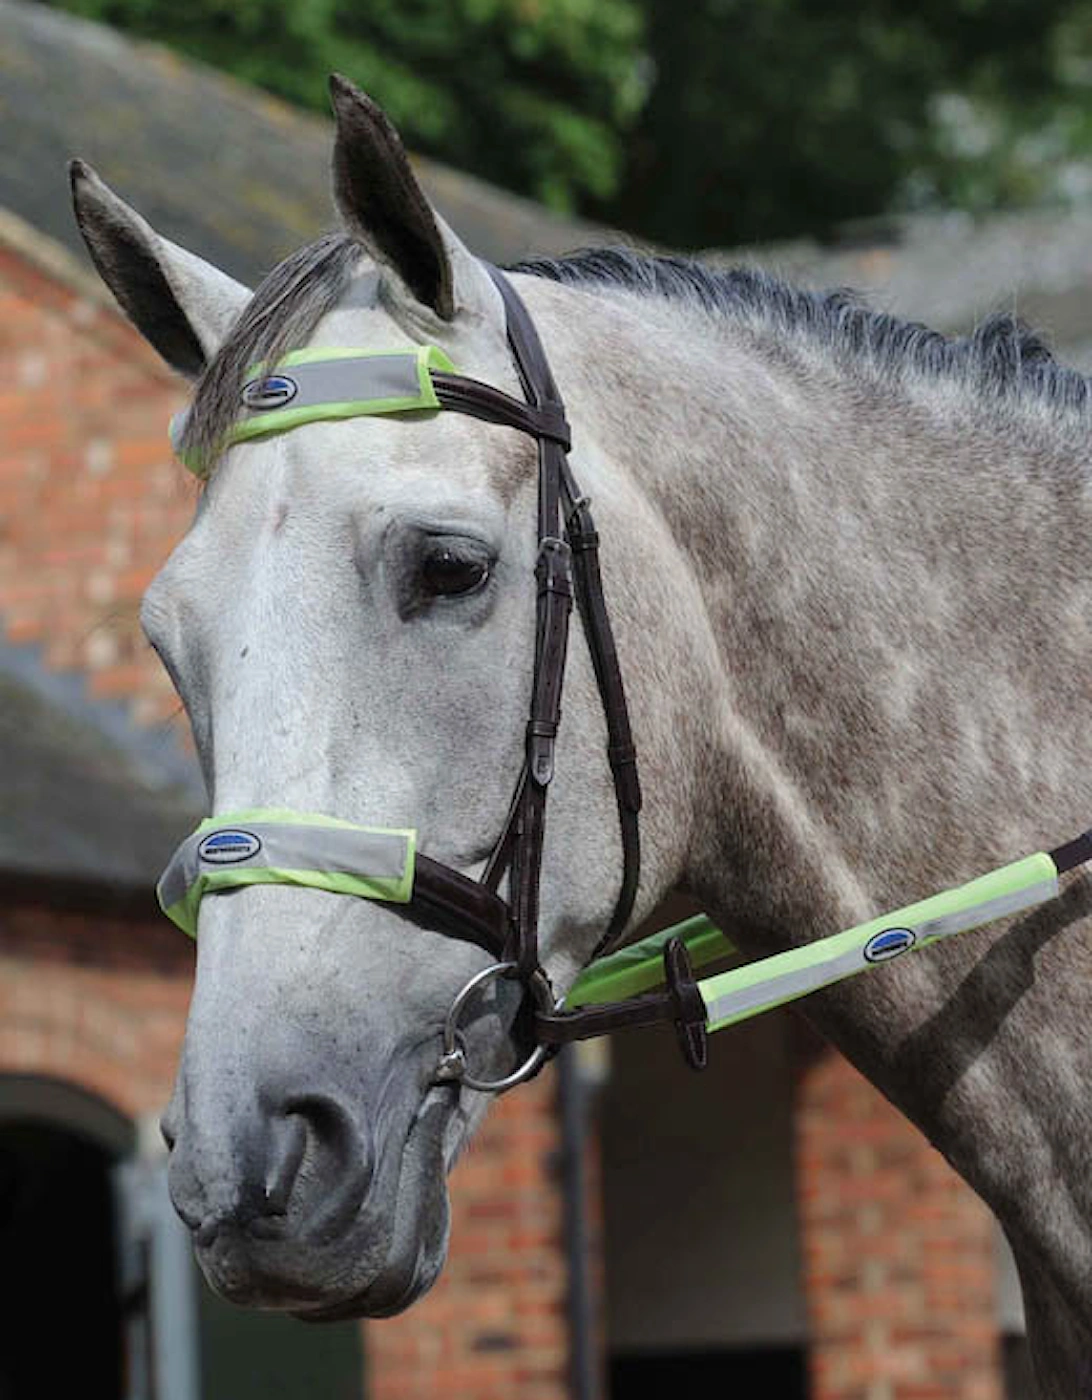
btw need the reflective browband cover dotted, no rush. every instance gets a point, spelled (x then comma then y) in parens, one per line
(309, 385)
(271, 846)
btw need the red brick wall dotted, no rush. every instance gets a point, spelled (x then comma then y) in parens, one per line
(90, 505)
(899, 1263)
(96, 1001)
(90, 499)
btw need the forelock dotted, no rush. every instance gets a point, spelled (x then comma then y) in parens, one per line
(281, 316)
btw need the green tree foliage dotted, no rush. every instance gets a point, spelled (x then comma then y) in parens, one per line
(533, 94)
(769, 118)
(695, 123)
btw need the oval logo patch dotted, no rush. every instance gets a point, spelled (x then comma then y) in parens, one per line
(889, 944)
(228, 847)
(273, 391)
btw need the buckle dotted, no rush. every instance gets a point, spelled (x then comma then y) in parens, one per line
(687, 1003)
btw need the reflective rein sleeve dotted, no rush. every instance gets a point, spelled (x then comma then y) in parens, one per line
(271, 846)
(617, 982)
(745, 991)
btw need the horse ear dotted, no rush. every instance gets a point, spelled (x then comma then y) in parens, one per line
(181, 304)
(386, 211)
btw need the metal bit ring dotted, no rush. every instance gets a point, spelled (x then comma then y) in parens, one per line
(453, 1068)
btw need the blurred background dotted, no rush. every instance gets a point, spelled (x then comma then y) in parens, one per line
(621, 1227)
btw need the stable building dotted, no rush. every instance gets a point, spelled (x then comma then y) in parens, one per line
(619, 1227)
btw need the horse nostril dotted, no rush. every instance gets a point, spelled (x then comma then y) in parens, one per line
(338, 1162)
(300, 1166)
(284, 1164)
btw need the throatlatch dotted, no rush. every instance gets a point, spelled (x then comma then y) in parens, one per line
(615, 991)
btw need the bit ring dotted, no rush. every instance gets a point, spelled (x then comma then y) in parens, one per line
(453, 1066)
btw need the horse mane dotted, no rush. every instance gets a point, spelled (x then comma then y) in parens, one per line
(1002, 358)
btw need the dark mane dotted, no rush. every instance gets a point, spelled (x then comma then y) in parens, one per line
(1002, 357)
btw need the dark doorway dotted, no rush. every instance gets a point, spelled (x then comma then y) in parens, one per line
(60, 1323)
(779, 1371)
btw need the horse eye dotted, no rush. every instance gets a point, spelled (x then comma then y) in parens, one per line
(448, 574)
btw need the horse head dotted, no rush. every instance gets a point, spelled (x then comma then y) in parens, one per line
(350, 623)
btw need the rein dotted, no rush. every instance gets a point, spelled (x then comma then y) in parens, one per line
(272, 845)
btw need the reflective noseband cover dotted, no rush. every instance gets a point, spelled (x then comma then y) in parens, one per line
(271, 846)
(309, 385)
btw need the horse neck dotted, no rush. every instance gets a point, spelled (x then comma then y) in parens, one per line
(885, 567)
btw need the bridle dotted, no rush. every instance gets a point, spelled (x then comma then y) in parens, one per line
(441, 897)
(567, 565)
(615, 991)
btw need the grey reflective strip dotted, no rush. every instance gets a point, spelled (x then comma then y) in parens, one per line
(786, 986)
(998, 908)
(349, 380)
(333, 849)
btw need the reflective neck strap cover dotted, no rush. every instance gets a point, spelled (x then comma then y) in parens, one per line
(272, 846)
(309, 385)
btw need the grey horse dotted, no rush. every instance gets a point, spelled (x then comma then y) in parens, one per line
(849, 563)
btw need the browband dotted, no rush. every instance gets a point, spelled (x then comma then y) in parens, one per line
(307, 386)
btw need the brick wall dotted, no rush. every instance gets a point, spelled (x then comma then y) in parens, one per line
(98, 1001)
(90, 499)
(90, 505)
(899, 1263)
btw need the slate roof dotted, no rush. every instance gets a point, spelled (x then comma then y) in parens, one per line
(218, 166)
(80, 805)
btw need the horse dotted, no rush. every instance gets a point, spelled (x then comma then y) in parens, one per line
(849, 566)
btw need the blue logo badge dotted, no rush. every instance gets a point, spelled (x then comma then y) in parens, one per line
(889, 944)
(228, 847)
(272, 391)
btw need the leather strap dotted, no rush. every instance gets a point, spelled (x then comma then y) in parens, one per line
(681, 1004)
(567, 566)
(481, 400)
(450, 902)
(1073, 853)
(621, 750)
(563, 571)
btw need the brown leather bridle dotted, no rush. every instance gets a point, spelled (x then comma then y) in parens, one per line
(567, 566)
(432, 894)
